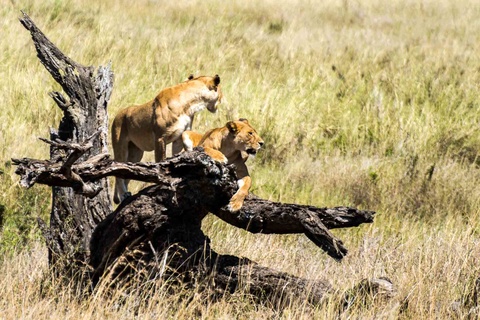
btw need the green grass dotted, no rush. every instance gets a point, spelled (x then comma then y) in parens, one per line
(370, 104)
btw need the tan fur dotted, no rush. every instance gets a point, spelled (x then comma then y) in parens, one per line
(191, 139)
(230, 144)
(153, 125)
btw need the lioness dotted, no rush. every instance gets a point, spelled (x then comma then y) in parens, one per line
(232, 143)
(152, 125)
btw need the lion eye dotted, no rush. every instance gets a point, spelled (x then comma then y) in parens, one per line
(250, 133)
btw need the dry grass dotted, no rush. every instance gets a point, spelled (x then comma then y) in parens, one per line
(371, 104)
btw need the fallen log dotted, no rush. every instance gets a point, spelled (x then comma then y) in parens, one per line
(196, 172)
(163, 222)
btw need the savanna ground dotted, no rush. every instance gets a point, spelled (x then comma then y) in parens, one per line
(372, 104)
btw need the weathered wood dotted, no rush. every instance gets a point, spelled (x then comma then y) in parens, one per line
(74, 216)
(160, 227)
(257, 215)
(263, 283)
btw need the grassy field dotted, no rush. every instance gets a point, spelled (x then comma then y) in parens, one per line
(371, 104)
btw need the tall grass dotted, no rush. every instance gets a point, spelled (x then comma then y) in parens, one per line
(370, 104)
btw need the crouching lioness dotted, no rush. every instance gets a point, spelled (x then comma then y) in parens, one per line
(230, 144)
(152, 125)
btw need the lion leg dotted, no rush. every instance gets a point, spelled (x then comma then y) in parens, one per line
(135, 154)
(236, 202)
(216, 155)
(160, 149)
(120, 154)
(177, 146)
(121, 190)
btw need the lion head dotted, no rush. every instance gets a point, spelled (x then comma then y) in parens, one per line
(246, 137)
(213, 84)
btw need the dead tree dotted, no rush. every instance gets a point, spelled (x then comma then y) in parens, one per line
(157, 232)
(74, 214)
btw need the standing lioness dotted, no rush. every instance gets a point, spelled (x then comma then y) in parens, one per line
(230, 144)
(152, 125)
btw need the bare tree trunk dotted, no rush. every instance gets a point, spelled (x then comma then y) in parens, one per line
(156, 234)
(74, 216)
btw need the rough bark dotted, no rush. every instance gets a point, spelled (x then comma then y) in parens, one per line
(156, 234)
(74, 216)
(198, 174)
(159, 228)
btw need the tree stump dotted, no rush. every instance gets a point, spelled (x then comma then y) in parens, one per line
(155, 234)
(74, 216)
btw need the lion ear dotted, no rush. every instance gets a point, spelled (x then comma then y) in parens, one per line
(243, 120)
(190, 77)
(216, 80)
(232, 127)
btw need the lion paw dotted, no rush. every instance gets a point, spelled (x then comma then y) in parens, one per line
(216, 155)
(235, 204)
(220, 158)
(224, 160)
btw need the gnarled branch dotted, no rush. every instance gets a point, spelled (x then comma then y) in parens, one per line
(257, 215)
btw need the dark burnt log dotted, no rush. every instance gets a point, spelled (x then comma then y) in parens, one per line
(157, 232)
(289, 216)
(257, 215)
(152, 235)
(263, 216)
(232, 273)
(74, 215)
